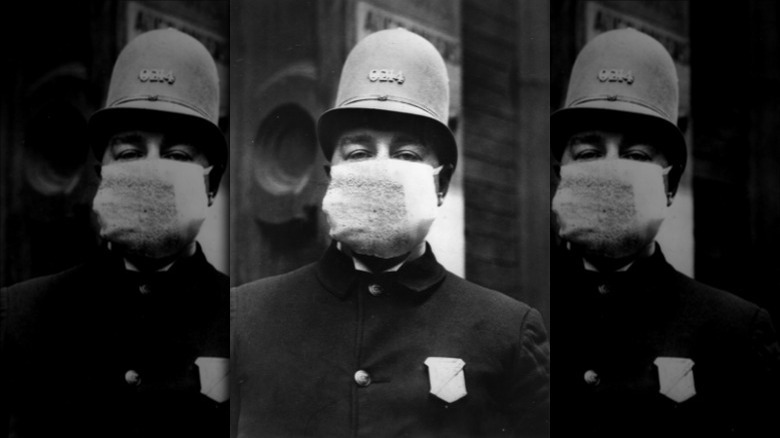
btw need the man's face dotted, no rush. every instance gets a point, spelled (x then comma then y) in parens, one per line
(614, 214)
(399, 142)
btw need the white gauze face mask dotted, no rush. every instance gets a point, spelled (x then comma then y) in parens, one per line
(382, 208)
(151, 208)
(611, 208)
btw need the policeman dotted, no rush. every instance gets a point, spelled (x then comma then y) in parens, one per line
(647, 351)
(133, 343)
(377, 338)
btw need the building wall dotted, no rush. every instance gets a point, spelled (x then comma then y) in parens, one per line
(46, 182)
(736, 89)
(506, 147)
(277, 176)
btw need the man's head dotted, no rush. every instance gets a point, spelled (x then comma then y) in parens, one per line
(620, 150)
(392, 77)
(164, 84)
(623, 82)
(161, 152)
(391, 150)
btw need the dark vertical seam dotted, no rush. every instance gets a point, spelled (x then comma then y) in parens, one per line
(358, 344)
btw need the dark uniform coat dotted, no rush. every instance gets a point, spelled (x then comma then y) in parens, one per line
(618, 325)
(99, 351)
(329, 351)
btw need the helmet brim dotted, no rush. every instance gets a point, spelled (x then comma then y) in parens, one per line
(333, 122)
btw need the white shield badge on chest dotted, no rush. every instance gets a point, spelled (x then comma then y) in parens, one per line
(214, 373)
(675, 374)
(447, 379)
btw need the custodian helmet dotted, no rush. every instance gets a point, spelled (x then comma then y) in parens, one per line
(398, 72)
(624, 78)
(165, 79)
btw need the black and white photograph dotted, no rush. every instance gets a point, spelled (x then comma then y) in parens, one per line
(351, 218)
(114, 312)
(389, 217)
(664, 145)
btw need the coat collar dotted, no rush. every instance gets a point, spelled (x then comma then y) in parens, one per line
(646, 278)
(336, 271)
(186, 273)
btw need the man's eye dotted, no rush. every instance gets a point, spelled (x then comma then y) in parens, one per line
(637, 156)
(359, 154)
(407, 156)
(128, 154)
(587, 154)
(177, 156)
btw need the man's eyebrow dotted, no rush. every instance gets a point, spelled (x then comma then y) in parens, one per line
(587, 138)
(178, 140)
(407, 139)
(133, 138)
(636, 140)
(363, 139)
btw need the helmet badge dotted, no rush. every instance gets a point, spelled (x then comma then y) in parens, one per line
(616, 75)
(386, 75)
(156, 75)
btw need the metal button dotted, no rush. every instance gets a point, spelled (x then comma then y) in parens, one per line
(132, 378)
(603, 289)
(591, 378)
(145, 289)
(362, 378)
(375, 289)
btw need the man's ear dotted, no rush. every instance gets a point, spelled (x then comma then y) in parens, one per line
(670, 193)
(443, 181)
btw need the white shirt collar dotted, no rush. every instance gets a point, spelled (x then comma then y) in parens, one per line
(360, 266)
(589, 266)
(131, 267)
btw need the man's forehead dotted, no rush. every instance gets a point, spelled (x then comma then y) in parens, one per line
(371, 135)
(624, 137)
(165, 136)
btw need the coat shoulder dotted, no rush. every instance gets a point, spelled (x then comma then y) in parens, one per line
(262, 291)
(28, 293)
(718, 304)
(484, 300)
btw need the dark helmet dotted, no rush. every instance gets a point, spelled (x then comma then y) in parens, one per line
(627, 79)
(396, 72)
(164, 78)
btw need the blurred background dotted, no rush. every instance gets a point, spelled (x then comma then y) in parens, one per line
(724, 228)
(57, 62)
(286, 58)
